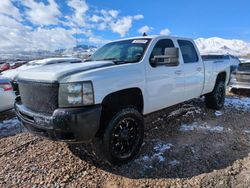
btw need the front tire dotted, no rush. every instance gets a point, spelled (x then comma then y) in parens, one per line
(216, 99)
(122, 138)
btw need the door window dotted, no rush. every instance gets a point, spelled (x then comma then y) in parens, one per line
(159, 48)
(188, 51)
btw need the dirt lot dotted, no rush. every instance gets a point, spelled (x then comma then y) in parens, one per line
(184, 146)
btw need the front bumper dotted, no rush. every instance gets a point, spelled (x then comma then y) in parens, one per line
(239, 85)
(68, 124)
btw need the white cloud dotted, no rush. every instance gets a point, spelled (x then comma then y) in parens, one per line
(98, 40)
(80, 8)
(17, 35)
(110, 20)
(114, 13)
(107, 15)
(10, 40)
(6, 21)
(165, 32)
(52, 39)
(7, 8)
(122, 26)
(145, 29)
(39, 39)
(102, 26)
(42, 14)
(138, 17)
(96, 18)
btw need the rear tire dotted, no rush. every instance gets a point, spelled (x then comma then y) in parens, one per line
(216, 99)
(122, 138)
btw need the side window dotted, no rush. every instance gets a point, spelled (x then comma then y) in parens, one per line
(188, 51)
(159, 48)
(134, 53)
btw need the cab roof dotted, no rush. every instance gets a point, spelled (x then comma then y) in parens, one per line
(154, 37)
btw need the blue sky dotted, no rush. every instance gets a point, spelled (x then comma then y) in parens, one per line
(192, 18)
(51, 24)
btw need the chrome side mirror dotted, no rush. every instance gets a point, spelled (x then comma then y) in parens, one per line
(170, 57)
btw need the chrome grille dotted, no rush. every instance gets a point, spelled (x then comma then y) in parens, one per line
(39, 97)
(243, 78)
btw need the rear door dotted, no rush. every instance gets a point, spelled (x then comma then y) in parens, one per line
(164, 84)
(193, 69)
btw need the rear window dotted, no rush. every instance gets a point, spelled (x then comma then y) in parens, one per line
(188, 51)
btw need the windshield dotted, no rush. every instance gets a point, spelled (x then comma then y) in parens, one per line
(122, 51)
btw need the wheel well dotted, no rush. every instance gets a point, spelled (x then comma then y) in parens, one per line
(114, 102)
(221, 77)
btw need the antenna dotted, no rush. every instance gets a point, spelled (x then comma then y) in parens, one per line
(144, 34)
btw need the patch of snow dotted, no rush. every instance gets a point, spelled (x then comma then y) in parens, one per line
(176, 112)
(160, 158)
(185, 111)
(159, 149)
(174, 162)
(159, 119)
(158, 155)
(10, 127)
(218, 113)
(246, 131)
(242, 103)
(201, 127)
(146, 158)
(8, 124)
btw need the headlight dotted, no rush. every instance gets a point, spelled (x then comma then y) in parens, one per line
(76, 94)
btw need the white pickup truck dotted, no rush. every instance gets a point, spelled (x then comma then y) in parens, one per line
(104, 99)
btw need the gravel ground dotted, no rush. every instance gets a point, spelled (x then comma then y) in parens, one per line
(185, 146)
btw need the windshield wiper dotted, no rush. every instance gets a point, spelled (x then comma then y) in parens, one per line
(116, 61)
(107, 59)
(87, 60)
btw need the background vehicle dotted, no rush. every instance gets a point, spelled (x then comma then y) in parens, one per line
(17, 63)
(4, 67)
(7, 96)
(240, 78)
(11, 65)
(234, 61)
(12, 74)
(104, 99)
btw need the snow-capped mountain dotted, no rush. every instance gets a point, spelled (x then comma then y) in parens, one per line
(217, 45)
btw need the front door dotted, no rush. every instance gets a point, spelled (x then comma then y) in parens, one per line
(165, 85)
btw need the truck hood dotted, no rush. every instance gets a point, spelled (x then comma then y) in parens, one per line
(55, 72)
(13, 73)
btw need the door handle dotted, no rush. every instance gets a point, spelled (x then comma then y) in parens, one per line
(199, 69)
(178, 72)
